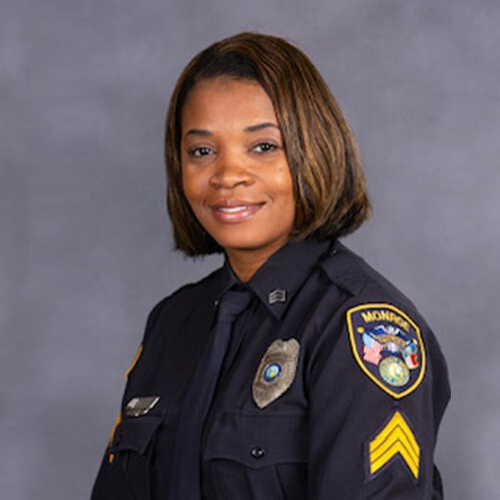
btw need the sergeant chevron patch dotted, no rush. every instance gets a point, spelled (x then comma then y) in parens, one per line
(395, 441)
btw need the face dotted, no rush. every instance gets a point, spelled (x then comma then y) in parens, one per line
(234, 168)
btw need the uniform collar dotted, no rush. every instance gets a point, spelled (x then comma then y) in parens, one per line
(277, 281)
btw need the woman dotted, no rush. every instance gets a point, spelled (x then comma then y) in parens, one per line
(325, 383)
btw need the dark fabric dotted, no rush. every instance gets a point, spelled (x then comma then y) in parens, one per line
(311, 442)
(185, 477)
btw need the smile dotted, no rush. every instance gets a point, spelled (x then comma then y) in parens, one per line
(232, 212)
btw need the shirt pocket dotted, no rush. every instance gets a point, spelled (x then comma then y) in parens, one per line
(133, 446)
(256, 455)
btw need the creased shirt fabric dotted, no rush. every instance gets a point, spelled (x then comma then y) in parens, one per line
(314, 441)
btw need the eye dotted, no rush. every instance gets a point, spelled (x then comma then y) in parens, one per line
(199, 151)
(264, 147)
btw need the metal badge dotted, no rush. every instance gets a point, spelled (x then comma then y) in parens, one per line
(276, 371)
(277, 295)
(137, 407)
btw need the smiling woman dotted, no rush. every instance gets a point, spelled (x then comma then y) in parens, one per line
(322, 155)
(295, 371)
(235, 171)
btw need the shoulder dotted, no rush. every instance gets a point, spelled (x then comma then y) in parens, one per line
(378, 369)
(363, 283)
(184, 299)
(380, 326)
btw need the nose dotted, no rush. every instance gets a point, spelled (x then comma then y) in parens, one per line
(229, 172)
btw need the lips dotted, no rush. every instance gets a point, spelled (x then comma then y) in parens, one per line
(235, 211)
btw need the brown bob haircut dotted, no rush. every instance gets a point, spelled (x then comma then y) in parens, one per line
(328, 179)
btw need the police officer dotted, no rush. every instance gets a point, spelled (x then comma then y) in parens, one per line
(323, 382)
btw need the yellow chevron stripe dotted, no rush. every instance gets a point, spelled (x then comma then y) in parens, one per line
(396, 422)
(396, 437)
(393, 451)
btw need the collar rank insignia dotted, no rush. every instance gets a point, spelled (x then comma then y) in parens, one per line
(395, 441)
(277, 295)
(276, 371)
(388, 347)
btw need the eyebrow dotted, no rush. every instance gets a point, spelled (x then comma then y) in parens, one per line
(251, 128)
(260, 126)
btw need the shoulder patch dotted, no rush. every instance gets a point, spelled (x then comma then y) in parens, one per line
(388, 347)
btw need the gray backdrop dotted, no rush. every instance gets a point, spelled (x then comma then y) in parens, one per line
(84, 237)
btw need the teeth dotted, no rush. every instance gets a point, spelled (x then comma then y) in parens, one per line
(232, 210)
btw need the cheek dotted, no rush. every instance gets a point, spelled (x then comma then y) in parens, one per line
(284, 184)
(190, 185)
(192, 195)
(290, 199)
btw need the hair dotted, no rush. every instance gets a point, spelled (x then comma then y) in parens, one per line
(328, 179)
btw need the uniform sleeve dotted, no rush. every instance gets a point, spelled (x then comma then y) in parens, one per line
(112, 482)
(378, 390)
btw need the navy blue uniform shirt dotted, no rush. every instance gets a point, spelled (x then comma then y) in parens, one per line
(333, 388)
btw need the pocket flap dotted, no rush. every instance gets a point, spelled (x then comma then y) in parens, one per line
(135, 433)
(258, 440)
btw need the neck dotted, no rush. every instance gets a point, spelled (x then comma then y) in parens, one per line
(245, 268)
(245, 263)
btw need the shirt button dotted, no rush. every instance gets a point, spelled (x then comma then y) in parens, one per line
(257, 452)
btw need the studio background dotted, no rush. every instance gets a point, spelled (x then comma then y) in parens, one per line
(84, 239)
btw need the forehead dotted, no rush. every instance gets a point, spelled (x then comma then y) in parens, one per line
(226, 101)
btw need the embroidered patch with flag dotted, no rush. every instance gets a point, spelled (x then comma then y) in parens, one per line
(387, 344)
(395, 441)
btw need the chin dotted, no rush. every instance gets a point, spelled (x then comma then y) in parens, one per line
(239, 244)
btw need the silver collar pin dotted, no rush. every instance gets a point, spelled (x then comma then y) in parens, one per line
(277, 295)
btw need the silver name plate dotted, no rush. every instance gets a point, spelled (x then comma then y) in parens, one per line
(137, 407)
